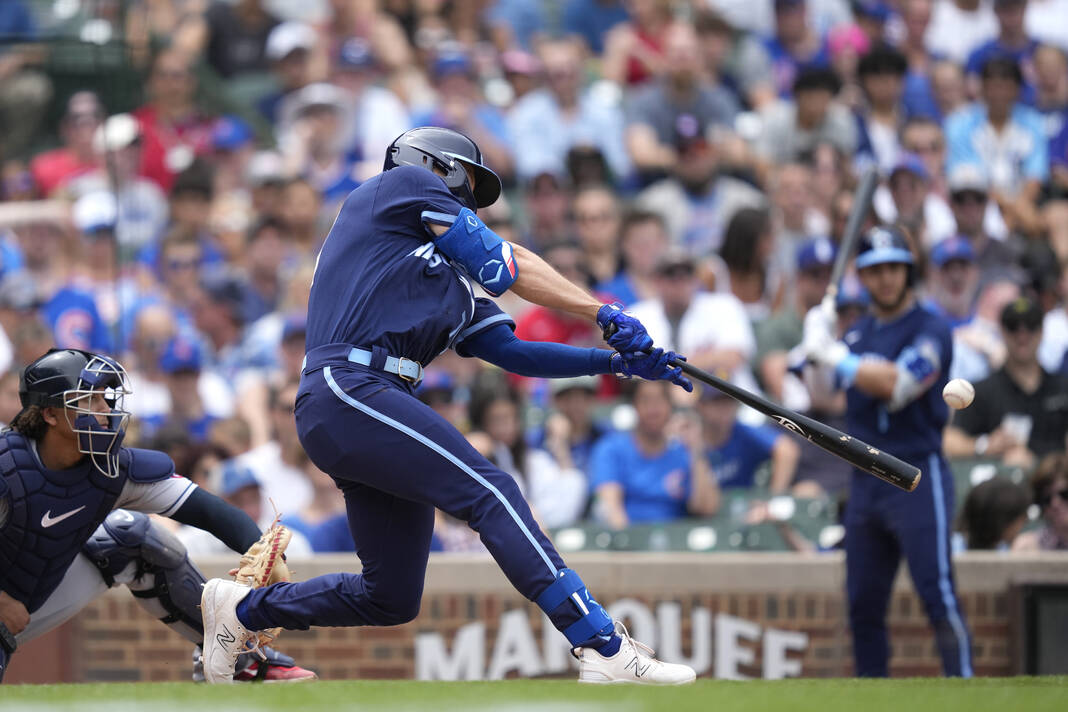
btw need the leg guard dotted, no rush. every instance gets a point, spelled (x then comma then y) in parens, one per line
(128, 548)
(569, 590)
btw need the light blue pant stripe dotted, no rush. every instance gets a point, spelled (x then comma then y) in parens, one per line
(382, 418)
(948, 599)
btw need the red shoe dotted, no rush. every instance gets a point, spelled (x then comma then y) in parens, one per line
(265, 672)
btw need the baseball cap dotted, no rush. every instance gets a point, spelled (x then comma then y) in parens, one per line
(355, 53)
(229, 133)
(180, 356)
(316, 95)
(295, 326)
(819, 252)
(449, 63)
(967, 177)
(116, 133)
(585, 383)
(236, 477)
(287, 38)
(1022, 311)
(913, 164)
(952, 248)
(265, 167)
(872, 9)
(674, 258)
(95, 211)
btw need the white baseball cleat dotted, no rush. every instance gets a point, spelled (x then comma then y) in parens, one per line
(224, 636)
(633, 663)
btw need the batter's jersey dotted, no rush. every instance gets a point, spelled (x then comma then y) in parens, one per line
(379, 281)
(921, 343)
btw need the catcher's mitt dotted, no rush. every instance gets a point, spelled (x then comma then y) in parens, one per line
(263, 564)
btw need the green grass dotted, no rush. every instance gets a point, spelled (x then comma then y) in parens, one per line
(994, 694)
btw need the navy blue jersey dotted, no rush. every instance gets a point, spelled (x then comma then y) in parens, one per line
(379, 280)
(920, 342)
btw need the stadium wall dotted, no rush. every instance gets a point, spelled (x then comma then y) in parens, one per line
(730, 615)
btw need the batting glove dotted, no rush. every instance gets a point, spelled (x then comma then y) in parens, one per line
(653, 366)
(623, 332)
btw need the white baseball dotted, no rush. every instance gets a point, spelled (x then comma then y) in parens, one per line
(958, 394)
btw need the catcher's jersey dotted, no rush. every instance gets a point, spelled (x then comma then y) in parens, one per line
(379, 281)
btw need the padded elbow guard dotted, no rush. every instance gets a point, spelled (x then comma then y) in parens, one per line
(487, 258)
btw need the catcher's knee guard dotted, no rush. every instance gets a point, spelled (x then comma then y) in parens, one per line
(165, 582)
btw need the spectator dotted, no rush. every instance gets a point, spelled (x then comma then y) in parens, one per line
(1051, 87)
(642, 476)
(546, 203)
(746, 253)
(683, 105)
(233, 145)
(918, 98)
(562, 115)
(24, 91)
(460, 106)
(289, 47)
(265, 177)
(1012, 41)
(555, 488)
(882, 77)
(173, 128)
(540, 323)
(596, 212)
(954, 281)
(1050, 486)
(697, 200)
(958, 27)
(592, 19)
(77, 156)
(711, 330)
(735, 58)
(797, 218)
(793, 128)
(968, 198)
(234, 37)
(1005, 137)
(10, 405)
(735, 450)
(643, 239)
(634, 51)
(794, 46)
(515, 22)
(909, 185)
(947, 83)
(779, 333)
(571, 432)
(143, 210)
(280, 464)
(267, 255)
(993, 515)
(978, 349)
(1021, 411)
(300, 210)
(438, 390)
(323, 521)
(181, 365)
(315, 131)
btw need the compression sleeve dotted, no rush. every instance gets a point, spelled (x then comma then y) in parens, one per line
(538, 359)
(214, 515)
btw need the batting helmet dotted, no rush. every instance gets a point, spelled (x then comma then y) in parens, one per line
(449, 151)
(881, 245)
(69, 378)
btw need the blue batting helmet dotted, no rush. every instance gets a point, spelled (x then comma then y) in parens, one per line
(880, 245)
(449, 151)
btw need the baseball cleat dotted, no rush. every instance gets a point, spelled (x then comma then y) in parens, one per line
(224, 637)
(633, 663)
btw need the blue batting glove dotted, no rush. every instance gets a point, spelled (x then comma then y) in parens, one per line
(623, 332)
(656, 366)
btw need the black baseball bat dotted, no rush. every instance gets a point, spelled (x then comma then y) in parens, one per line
(856, 452)
(854, 222)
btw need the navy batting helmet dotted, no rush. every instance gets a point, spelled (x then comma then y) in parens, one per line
(449, 151)
(881, 245)
(69, 378)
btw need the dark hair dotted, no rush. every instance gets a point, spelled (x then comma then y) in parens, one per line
(191, 457)
(740, 240)
(1049, 469)
(1002, 66)
(989, 510)
(478, 408)
(263, 225)
(813, 78)
(637, 216)
(196, 180)
(708, 21)
(882, 59)
(30, 422)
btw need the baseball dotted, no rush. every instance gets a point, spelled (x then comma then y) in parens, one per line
(958, 394)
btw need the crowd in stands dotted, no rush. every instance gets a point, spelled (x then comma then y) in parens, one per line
(692, 159)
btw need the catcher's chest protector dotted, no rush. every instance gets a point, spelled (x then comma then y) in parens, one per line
(51, 515)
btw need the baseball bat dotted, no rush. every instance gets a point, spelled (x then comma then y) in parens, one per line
(858, 211)
(856, 452)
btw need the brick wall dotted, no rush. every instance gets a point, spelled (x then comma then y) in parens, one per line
(113, 639)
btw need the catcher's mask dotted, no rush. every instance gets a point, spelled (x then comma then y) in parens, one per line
(91, 389)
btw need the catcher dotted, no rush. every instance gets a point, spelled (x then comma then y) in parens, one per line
(73, 520)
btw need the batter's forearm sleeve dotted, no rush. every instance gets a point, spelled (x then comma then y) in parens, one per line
(538, 359)
(226, 522)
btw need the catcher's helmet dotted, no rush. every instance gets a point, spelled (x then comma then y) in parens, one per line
(430, 146)
(69, 378)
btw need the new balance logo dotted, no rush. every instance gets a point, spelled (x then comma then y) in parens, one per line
(226, 639)
(639, 670)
